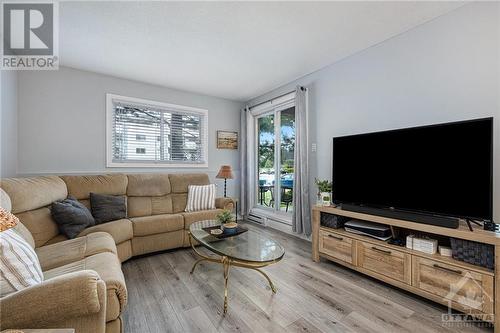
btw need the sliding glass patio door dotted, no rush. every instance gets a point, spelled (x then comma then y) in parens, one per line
(274, 157)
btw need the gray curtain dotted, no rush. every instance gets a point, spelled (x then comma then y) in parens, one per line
(301, 219)
(244, 199)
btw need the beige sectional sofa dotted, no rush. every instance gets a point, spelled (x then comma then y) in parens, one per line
(84, 286)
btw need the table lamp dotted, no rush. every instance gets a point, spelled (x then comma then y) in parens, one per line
(226, 173)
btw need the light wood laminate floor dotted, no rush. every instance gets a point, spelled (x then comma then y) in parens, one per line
(312, 297)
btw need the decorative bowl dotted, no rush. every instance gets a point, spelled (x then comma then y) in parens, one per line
(216, 231)
(230, 228)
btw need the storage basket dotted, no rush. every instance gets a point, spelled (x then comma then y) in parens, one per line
(333, 221)
(473, 252)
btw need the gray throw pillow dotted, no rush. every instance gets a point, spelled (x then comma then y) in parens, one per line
(107, 208)
(71, 216)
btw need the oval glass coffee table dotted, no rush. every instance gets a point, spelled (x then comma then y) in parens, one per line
(249, 250)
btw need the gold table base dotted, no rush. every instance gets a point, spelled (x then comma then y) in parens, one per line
(227, 263)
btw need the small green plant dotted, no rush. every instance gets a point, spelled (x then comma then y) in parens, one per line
(225, 216)
(323, 185)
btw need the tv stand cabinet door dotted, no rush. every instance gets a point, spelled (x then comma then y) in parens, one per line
(337, 246)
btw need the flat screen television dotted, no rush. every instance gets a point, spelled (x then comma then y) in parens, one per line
(443, 170)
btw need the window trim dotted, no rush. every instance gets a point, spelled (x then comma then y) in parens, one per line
(174, 107)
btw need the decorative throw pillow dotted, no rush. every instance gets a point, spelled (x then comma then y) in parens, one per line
(107, 208)
(19, 265)
(200, 197)
(71, 216)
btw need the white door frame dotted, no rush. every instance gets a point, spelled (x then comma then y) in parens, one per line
(275, 109)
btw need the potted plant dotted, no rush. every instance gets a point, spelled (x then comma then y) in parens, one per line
(324, 191)
(225, 218)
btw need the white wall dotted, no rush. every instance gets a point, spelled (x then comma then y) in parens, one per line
(62, 123)
(445, 70)
(8, 124)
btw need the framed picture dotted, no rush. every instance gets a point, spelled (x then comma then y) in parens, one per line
(227, 140)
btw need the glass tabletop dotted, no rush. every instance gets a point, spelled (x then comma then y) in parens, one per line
(248, 246)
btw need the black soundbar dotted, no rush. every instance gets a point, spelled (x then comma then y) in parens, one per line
(441, 221)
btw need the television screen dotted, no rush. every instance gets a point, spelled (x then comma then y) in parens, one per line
(442, 169)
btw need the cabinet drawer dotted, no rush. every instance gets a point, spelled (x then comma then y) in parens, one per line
(385, 261)
(466, 289)
(336, 246)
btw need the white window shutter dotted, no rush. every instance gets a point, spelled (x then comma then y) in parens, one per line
(148, 133)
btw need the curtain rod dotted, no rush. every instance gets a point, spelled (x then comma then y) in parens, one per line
(269, 100)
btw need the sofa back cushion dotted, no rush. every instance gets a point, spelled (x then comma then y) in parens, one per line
(40, 224)
(5, 202)
(148, 185)
(179, 183)
(32, 193)
(29, 198)
(81, 186)
(25, 233)
(148, 194)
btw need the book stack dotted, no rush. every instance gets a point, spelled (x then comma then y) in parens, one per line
(426, 245)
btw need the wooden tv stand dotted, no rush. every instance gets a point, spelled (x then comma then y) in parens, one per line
(429, 276)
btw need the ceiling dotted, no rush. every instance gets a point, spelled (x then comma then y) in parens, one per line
(234, 50)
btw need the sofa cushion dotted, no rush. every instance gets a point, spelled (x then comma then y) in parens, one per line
(156, 224)
(180, 182)
(25, 233)
(202, 215)
(81, 186)
(19, 267)
(56, 239)
(40, 224)
(71, 216)
(120, 230)
(158, 242)
(5, 202)
(108, 267)
(179, 201)
(35, 192)
(148, 185)
(65, 252)
(107, 208)
(144, 206)
(200, 197)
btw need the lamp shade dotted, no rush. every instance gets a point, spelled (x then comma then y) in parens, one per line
(7, 220)
(225, 172)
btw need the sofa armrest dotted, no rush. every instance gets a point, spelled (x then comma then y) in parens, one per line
(224, 203)
(72, 295)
